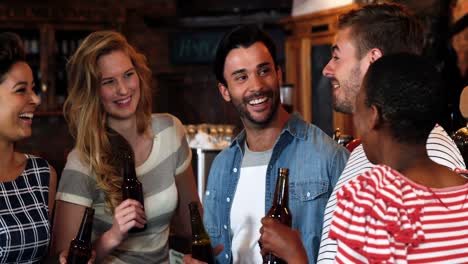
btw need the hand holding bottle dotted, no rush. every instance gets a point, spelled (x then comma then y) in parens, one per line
(64, 254)
(127, 215)
(132, 189)
(279, 211)
(188, 259)
(282, 241)
(81, 249)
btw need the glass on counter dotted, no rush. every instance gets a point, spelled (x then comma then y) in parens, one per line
(209, 136)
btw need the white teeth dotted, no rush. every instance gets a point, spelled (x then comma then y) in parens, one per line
(124, 101)
(258, 101)
(336, 86)
(26, 115)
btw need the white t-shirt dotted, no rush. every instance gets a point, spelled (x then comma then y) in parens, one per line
(440, 149)
(248, 207)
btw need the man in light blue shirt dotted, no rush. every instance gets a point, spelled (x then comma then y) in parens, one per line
(243, 176)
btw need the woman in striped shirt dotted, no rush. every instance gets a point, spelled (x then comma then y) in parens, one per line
(110, 90)
(408, 209)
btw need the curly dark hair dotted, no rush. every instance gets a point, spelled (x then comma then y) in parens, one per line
(408, 93)
(241, 36)
(11, 51)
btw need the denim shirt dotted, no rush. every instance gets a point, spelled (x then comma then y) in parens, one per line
(315, 162)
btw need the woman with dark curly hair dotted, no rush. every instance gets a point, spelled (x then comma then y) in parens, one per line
(27, 183)
(408, 208)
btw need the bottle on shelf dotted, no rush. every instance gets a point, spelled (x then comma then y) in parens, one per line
(201, 244)
(80, 247)
(280, 210)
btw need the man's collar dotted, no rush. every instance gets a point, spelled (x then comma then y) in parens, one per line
(296, 127)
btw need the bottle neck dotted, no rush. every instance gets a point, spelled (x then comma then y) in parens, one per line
(198, 230)
(86, 227)
(281, 192)
(128, 169)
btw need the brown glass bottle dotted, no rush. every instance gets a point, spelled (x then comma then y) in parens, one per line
(201, 244)
(131, 186)
(280, 210)
(80, 247)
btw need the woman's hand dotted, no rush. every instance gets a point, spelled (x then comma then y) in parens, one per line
(64, 254)
(128, 214)
(282, 241)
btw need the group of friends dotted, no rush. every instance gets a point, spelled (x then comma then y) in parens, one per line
(399, 197)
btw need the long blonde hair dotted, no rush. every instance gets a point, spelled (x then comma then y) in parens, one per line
(86, 116)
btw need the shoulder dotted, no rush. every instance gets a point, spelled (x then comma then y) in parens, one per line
(75, 163)
(225, 154)
(164, 120)
(224, 159)
(356, 164)
(379, 200)
(317, 138)
(381, 185)
(40, 167)
(442, 149)
(37, 162)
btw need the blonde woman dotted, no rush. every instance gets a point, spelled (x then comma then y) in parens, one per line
(27, 183)
(109, 87)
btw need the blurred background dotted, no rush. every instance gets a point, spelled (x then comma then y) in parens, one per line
(179, 38)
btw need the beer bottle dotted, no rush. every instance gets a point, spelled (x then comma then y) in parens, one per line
(80, 247)
(201, 244)
(131, 186)
(279, 210)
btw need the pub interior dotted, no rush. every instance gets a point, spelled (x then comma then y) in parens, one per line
(179, 38)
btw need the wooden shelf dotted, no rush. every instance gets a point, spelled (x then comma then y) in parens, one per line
(50, 35)
(309, 35)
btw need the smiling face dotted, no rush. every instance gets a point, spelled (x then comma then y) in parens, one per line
(18, 101)
(345, 71)
(253, 84)
(120, 86)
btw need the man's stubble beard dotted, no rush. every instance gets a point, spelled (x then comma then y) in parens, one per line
(241, 108)
(353, 84)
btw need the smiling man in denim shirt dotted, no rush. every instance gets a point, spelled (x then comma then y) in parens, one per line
(243, 176)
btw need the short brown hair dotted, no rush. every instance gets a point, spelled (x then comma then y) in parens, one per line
(392, 28)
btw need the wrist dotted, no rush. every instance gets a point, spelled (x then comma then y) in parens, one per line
(299, 259)
(110, 241)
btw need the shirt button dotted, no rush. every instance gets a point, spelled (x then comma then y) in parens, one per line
(225, 226)
(308, 194)
(234, 170)
(228, 199)
(207, 193)
(226, 256)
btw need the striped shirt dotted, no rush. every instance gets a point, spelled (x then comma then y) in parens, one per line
(24, 214)
(170, 156)
(383, 217)
(440, 149)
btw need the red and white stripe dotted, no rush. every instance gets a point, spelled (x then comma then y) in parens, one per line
(383, 217)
